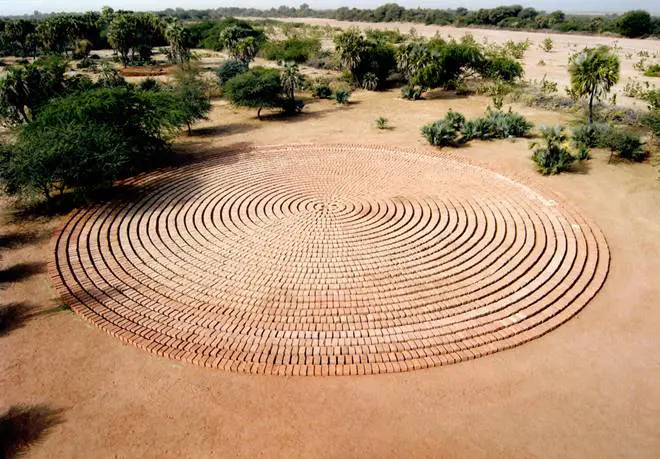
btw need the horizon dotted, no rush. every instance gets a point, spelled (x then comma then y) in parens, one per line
(29, 7)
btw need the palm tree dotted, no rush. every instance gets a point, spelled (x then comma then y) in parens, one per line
(349, 46)
(593, 73)
(291, 79)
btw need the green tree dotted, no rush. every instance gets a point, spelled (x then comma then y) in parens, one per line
(349, 46)
(193, 101)
(26, 88)
(177, 37)
(257, 88)
(229, 69)
(88, 139)
(634, 24)
(291, 79)
(593, 72)
(241, 43)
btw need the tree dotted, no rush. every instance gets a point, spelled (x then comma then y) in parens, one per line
(88, 139)
(229, 69)
(349, 46)
(593, 72)
(291, 80)
(25, 88)
(634, 24)
(193, 102)
(134, 33)
(179, 42)
(121, 35)
(241, 42)
(257, 88)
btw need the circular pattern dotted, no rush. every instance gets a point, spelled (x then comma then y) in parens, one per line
(328, 260)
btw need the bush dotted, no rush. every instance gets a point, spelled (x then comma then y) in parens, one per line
(652, 70)
(192, 101)
(342, 96)
(293, 49)
(624, 144)
(411, 92)
(501, 68)
(588, 135)
(634, 24)
(229, 69)
(552, 156)
(26, 88)
(382, 123)
(322, 91)
(546, 45)
(83, 49)
(257, 88)
(85, 141)
(455, 119)
(497, 125)
(441, 134)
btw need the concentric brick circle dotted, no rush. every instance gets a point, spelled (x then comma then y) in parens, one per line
(329, 260)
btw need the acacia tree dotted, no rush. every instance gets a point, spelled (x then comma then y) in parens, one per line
(593, 73)
(257, 88)
(193, 102)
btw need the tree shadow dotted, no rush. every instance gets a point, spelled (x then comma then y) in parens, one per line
(22, 426)
(19, 239)
(13, 316)
(21, 271)
(223, 130)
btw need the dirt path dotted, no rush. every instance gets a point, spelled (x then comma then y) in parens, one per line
(587, 389)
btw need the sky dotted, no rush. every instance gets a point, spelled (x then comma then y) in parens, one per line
(11, 7)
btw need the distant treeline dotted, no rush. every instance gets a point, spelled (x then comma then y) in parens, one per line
(631, 24)
(63, 33)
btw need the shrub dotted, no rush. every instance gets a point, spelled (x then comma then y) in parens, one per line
(257, 88)
(149, 84)
(501, 68)
(552, 156)
(625, 144)
(342, 96)
(229, 69)
(441, 134)
(634, 24)
(652, 70)
(455, 119)
(322, 91)
(292, 49)
(381, 123)
(86, 140)
(411, 92)
(546, 45)
(585, 135)
(497, 125)
(192, 101)
(83, 49)
(26, 88)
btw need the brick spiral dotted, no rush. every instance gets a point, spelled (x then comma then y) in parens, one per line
(328, 260)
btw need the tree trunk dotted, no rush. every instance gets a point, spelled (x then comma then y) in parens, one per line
(259, 113)
(189, 129)
(591, 107)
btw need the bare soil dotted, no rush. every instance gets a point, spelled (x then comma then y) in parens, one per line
(587, 389)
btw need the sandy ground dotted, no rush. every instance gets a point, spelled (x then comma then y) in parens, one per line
(588, 389)
(556, 61)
